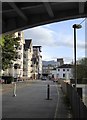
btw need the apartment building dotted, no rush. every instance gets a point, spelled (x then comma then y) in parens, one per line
(37, 62)
(16, 68)
(27, 62)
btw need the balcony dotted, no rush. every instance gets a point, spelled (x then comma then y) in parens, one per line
(17, 66)
(24, 55)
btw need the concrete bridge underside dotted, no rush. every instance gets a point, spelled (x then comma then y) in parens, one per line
(18, 16)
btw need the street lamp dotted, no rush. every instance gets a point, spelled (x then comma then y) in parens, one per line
(75, 26)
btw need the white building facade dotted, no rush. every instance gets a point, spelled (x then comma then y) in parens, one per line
(37, 62)
(28, 54)
(19, 61)
(63, 72)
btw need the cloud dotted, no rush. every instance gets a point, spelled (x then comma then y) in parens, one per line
(40, 36)
(44, 36)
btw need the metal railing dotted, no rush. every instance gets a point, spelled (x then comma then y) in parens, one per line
(78, 108)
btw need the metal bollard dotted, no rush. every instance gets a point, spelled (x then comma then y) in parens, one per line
(14, 89)
(48, 92)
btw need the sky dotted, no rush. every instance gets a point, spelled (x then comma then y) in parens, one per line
(57, 40)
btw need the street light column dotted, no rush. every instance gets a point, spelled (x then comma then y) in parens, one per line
(75, 26)
(75, 68)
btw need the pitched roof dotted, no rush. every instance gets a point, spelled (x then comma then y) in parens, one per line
(27, 43)
(65, 66)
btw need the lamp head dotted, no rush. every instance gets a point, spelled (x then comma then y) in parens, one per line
(78, 26)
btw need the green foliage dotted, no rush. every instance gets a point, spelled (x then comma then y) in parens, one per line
(1, 40)
(10, 43)
(83, 61)
(82, 70)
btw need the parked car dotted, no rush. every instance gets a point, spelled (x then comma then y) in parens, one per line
(44, 78)
(19, 79)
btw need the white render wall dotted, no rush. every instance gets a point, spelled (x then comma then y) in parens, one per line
(40, 65)
(28, 62)
(68, 74)
(59, 74)
(38, 68)
(19, 72)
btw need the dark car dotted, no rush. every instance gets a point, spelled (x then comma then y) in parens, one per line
(44, 78)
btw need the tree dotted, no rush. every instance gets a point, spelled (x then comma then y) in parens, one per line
(1, 40)
(83, 61)
(9, 45)
(82, 69)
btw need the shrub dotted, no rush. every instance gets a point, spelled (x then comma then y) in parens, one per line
(8, 79)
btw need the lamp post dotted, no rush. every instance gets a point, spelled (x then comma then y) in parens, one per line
(75, 26)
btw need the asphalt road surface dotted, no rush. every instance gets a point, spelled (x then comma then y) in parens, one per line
(30, 101)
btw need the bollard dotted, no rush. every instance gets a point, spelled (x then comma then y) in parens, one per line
(48, 92)
(14, 89)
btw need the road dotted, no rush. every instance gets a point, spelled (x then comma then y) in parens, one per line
(31, 102)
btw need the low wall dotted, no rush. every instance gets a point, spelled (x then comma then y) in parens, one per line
(78, 107)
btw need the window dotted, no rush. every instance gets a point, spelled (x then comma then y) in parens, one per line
(16, 56)
(16, 66)
(67, 69)
(31, 65)
(63, 75)
(20, 47)
(19, 56)
(63, 69)
(58, 69)
(24, 62)
(53, 76)
(19, 34)
(24, 55)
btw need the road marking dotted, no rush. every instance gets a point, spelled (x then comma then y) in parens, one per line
(57, 103)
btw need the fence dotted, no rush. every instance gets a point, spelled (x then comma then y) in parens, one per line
(78, 108)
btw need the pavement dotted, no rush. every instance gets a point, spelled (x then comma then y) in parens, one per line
(31, 102)
(9, 87)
